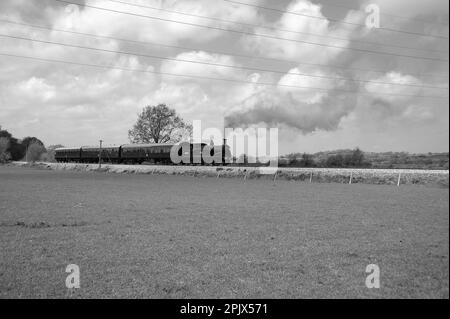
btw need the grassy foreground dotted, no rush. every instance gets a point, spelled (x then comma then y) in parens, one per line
(162, 236)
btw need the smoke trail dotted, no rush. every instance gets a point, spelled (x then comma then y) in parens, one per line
(277, 108)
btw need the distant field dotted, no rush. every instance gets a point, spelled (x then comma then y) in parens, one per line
(439, 178)
(164, 236)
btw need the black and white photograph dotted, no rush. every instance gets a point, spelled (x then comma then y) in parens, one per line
(220, 156)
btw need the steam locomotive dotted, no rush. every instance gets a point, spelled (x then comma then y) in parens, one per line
(147, 153)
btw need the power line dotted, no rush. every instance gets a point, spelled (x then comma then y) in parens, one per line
(386, 14)
(213, 78)
(336, 20)
(256, 34)
(218, 64)
(273, 28)
(253, 57)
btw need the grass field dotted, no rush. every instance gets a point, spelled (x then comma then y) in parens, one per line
(432, 178)
(162, 236)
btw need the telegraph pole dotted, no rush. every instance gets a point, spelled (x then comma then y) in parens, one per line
(100, 155)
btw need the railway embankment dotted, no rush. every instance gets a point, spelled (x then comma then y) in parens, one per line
(396, 177)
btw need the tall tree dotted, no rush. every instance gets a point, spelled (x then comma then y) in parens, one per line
(15, 149)
(358, 157)
(159, 124)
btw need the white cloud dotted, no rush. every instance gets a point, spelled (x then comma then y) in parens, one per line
(316, 86)
(307, 30)
(209, 69)
(77, 105)
(419, 113)
(135, 26)
(410, 86)
(36, 88)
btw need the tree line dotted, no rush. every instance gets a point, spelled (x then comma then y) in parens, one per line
(359, 159)
(162, 124)
(30, 148)
(354, 158)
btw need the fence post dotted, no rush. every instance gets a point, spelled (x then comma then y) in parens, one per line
(399, 179)
(351, 178)
(311, 176)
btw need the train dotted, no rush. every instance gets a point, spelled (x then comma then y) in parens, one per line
(145, 153)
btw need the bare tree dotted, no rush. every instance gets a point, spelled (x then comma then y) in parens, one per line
(159, 124)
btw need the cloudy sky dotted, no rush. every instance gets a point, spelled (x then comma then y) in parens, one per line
(333, 84)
